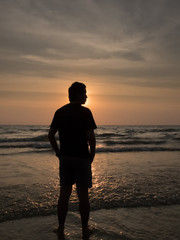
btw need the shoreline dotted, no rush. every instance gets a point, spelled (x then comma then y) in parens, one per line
(122, 223)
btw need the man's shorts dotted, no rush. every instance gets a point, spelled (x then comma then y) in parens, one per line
(75, 170)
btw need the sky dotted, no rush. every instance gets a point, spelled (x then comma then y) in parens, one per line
(127, 52)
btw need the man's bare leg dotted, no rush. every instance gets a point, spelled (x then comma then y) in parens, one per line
(65, 192)
(84, 208)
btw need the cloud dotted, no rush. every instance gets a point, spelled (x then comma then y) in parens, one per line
(113, 40)
(30, 96)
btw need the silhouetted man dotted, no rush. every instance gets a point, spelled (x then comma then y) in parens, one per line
(75, 125)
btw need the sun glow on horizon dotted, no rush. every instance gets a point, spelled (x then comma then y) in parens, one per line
(130, 68)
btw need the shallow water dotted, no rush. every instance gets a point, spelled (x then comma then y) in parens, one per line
(30, 185)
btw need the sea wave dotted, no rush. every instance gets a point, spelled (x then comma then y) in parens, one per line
(137, 149)
(134, 142)
(39, 138)
(174, 129)
(109, 139)
(24, 210)
(41, 148)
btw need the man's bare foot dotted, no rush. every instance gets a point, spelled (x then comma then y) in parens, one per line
(86, 233)
(60, 232)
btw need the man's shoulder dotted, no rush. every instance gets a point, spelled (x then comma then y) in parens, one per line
(85, 109)
(61, 109)
(69, 108)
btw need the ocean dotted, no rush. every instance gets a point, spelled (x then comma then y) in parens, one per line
(135, 193)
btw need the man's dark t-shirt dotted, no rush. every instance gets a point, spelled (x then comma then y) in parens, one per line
(72, 121)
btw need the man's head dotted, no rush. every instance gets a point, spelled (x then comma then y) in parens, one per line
(77, 93)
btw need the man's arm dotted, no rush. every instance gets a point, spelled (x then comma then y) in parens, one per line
(52, 140)
(92, 143)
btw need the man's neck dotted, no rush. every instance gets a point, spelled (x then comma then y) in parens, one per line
(75, 102)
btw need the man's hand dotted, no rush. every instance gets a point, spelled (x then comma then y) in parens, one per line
(91, 157)
(92, 143)
(52, 140)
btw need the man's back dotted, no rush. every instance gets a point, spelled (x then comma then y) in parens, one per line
(72, 122)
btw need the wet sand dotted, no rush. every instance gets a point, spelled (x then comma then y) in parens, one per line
(160, 223)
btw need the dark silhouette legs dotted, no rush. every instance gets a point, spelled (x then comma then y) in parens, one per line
(65, 193)
(84, 208)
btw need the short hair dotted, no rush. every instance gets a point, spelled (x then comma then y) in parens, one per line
(75, 90)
